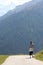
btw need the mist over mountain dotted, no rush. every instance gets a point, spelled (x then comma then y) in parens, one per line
(25, 23)
(20, 8)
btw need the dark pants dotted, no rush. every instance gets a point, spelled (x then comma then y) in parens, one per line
(31, 52)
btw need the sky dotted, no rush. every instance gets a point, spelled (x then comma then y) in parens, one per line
(6, 5)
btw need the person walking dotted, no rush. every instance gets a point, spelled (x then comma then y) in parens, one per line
(31, 49)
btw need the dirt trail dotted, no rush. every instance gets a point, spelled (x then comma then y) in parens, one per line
(21, 60)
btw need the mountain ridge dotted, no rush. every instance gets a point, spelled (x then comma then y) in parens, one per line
(20, 8)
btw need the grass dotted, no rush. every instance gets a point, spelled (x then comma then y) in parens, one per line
(39, 55)
(3, 58)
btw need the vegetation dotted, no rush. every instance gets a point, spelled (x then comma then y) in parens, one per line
(39, 55)
(3, 58)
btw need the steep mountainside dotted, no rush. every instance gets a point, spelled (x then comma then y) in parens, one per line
(18, 29)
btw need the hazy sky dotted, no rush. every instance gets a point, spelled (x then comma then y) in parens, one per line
(6, 5)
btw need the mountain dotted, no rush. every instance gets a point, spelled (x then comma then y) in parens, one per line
(20, 8)
(17, 29)
(26, 5)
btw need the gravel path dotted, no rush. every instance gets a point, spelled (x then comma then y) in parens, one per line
(21, 60)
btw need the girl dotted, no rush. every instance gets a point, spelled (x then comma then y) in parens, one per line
(31, 49)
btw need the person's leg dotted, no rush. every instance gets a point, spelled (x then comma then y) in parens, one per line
(30, 54)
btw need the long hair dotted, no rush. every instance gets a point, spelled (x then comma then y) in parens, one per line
(31, 44)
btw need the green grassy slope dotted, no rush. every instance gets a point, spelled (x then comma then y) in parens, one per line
(3, 58)
(39, 55)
